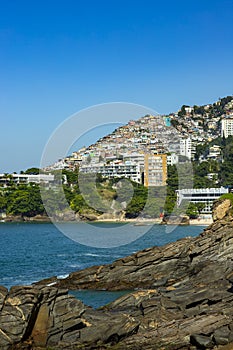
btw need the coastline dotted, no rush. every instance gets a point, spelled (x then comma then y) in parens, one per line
(158, 221)
(136, 221)
(201, 222)
(173, 284)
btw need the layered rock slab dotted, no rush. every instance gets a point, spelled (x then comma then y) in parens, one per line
(159, 266)
(184, 301)
(47, 317)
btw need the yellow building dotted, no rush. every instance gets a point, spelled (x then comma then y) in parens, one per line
(155, 170)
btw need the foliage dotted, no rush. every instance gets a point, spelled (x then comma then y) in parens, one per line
(78, 204)
(182, 111)
(199, 110)
(2, 202)
(71, 176)
(192, 211)
(138, 202)
(227, 196)
(25, 200)
(31, 171)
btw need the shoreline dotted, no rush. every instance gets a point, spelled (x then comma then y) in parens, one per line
(136, 221)
(201, 222)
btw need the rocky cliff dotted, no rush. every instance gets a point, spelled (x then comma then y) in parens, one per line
(183, 299)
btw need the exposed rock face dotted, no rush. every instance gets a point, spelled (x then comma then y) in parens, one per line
(176, 220)
(159, 266)
(41, 317)
(221, 209)
(185, 301)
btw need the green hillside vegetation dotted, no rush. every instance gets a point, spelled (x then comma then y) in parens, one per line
(227, 196)
(24, 200)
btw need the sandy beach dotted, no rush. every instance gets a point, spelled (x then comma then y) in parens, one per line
(141, 221)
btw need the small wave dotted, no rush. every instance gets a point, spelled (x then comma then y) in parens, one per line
(92, 254)
(62, 276)
(60, 255)
(74, 265)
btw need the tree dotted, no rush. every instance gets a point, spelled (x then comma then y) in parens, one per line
(182, 111)
(71, 176)
(192, 211)
(170, 201)
(200, 206)
(69, 194)
(78, 204)
(137, 204)
(25, 201)
(2, 202)
(226, 174)
(32, 171)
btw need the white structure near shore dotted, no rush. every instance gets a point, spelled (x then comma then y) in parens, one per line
(201, 195)
(18, 179)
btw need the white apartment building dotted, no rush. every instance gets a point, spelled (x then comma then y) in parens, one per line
(172, 159)
(188, 109)
(118, 169)
(227, 126)
(201, 195)
(26, 178)
(214, 152)
(186, 147)
(134, 157)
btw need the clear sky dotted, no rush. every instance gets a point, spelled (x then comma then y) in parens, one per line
(57, 57)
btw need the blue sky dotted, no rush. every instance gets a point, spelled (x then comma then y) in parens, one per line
(57, 57)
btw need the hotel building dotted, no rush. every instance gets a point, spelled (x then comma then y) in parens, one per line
(201, 195)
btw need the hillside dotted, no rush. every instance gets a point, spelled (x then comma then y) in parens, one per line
(158, 134)
(122, 154)
(202, 122)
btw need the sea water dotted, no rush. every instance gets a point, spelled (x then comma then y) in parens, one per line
(30, 252)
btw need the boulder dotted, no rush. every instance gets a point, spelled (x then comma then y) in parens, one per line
(221, 209)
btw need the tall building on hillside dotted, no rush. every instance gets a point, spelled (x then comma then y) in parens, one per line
(155, 170)
(186, 147)
(227, 126)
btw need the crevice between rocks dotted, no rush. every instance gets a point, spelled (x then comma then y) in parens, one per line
(32, 320)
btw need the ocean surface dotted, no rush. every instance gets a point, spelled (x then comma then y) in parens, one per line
(30, 252)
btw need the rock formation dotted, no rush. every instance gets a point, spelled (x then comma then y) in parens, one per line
(221, 209)
(47, 317)
(183, 299)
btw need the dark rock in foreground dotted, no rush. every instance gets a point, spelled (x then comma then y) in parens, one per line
(184, 301)
(40, 317)
(162, 266)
